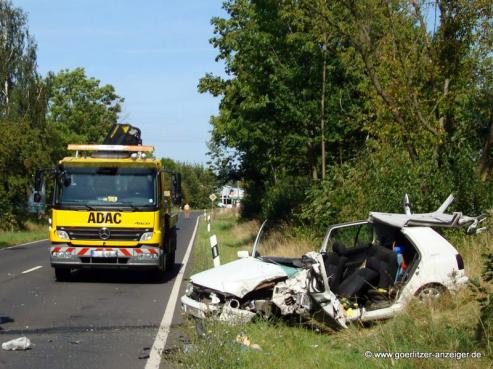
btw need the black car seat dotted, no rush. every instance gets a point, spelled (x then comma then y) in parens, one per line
(379, 273)
(356, 256)
(385, 264)
(334, 268)
(361, 280)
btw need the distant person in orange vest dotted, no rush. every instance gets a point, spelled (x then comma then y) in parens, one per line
(186, 209)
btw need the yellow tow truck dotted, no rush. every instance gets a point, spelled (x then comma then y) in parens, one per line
(111, 207)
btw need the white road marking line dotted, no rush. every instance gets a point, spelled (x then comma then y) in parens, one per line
(23, 244)
(162, 335)
(32, 269)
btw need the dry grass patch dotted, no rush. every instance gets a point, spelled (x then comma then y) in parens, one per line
(245, 230)
(278, 243)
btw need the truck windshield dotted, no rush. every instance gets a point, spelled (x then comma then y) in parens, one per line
(107, 187)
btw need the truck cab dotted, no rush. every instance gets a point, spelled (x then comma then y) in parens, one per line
(111, 208)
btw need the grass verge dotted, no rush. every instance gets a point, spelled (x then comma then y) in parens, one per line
(449, 326)
(33, 232)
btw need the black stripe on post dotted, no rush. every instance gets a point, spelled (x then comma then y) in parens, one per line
(215, 251)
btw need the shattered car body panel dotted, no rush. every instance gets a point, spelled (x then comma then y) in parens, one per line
(365, 270)
(239, 277)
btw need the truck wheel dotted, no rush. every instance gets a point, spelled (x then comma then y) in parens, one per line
(170, 258)
(157, 275)
(62, 274)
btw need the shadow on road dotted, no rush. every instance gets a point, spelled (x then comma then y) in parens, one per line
(123, 276)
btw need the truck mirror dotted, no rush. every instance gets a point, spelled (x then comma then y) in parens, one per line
(38, 181)
(37, 197)
(67, 179)
(176, 188)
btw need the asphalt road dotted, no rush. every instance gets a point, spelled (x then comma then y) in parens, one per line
(102, 319)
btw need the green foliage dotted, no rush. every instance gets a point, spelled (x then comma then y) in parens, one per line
(38, 117)
(408, 106)
(80, 110)
(22, 109)
(281, 201)
(485, 325)
(197, 184)
(378, 180)
(270, 108)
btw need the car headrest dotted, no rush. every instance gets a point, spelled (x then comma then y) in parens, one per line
(339, 248)
(373, 263)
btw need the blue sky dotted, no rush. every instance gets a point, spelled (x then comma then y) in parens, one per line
(153, 52)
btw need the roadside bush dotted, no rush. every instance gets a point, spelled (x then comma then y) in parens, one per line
(378, 180)
(284, 198)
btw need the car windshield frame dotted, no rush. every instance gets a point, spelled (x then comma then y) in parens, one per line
(107, 188)
(331, 229)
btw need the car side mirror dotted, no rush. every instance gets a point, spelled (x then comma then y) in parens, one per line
(243, 254)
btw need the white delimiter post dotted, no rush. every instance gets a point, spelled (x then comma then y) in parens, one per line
(208, 223)
(215, 251)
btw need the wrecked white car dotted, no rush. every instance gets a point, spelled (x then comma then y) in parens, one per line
(365, 270)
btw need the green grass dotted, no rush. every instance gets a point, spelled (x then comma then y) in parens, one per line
(449, 326)
(231, 239)
(33, 232)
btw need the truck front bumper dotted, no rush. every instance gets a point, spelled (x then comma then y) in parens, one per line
(105, 257)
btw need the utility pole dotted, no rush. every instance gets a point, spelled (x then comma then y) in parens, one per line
(322, 106)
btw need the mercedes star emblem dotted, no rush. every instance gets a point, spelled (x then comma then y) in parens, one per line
(104, 233)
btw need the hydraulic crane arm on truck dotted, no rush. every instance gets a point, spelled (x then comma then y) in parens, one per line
(111, 207)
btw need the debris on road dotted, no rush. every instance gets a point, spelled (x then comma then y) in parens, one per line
(18, 344)
(145, 353)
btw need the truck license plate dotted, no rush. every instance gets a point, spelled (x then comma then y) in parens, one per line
(103, 254)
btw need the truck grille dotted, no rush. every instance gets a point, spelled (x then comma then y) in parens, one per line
(94, 234)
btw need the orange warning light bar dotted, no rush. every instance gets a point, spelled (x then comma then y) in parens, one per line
(129, 148)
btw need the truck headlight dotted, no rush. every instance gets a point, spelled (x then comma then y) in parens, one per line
(146, 236)
(62, 234)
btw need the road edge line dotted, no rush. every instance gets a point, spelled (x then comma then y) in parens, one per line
(23, 244)
(159, 344)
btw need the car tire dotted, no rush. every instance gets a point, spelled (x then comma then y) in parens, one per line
(62, 274)
(431, 293)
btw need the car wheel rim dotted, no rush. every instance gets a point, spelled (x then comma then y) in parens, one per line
(429, 294)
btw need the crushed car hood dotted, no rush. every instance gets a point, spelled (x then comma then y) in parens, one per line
(239, 277)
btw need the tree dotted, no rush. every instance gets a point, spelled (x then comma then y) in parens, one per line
(198, 182)
(270, 113)
(80, 110)
(24, 142)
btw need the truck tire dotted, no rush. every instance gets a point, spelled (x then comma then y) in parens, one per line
(170, 258)
(62, 274)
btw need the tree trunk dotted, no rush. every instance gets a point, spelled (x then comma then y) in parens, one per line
(322, 110)
(485, 163)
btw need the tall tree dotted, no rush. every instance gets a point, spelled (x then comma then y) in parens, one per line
(198, 182)
(80, 109)
(270, 112)
(24, 144)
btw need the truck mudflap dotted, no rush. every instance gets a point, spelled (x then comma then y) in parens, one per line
(98, 256)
